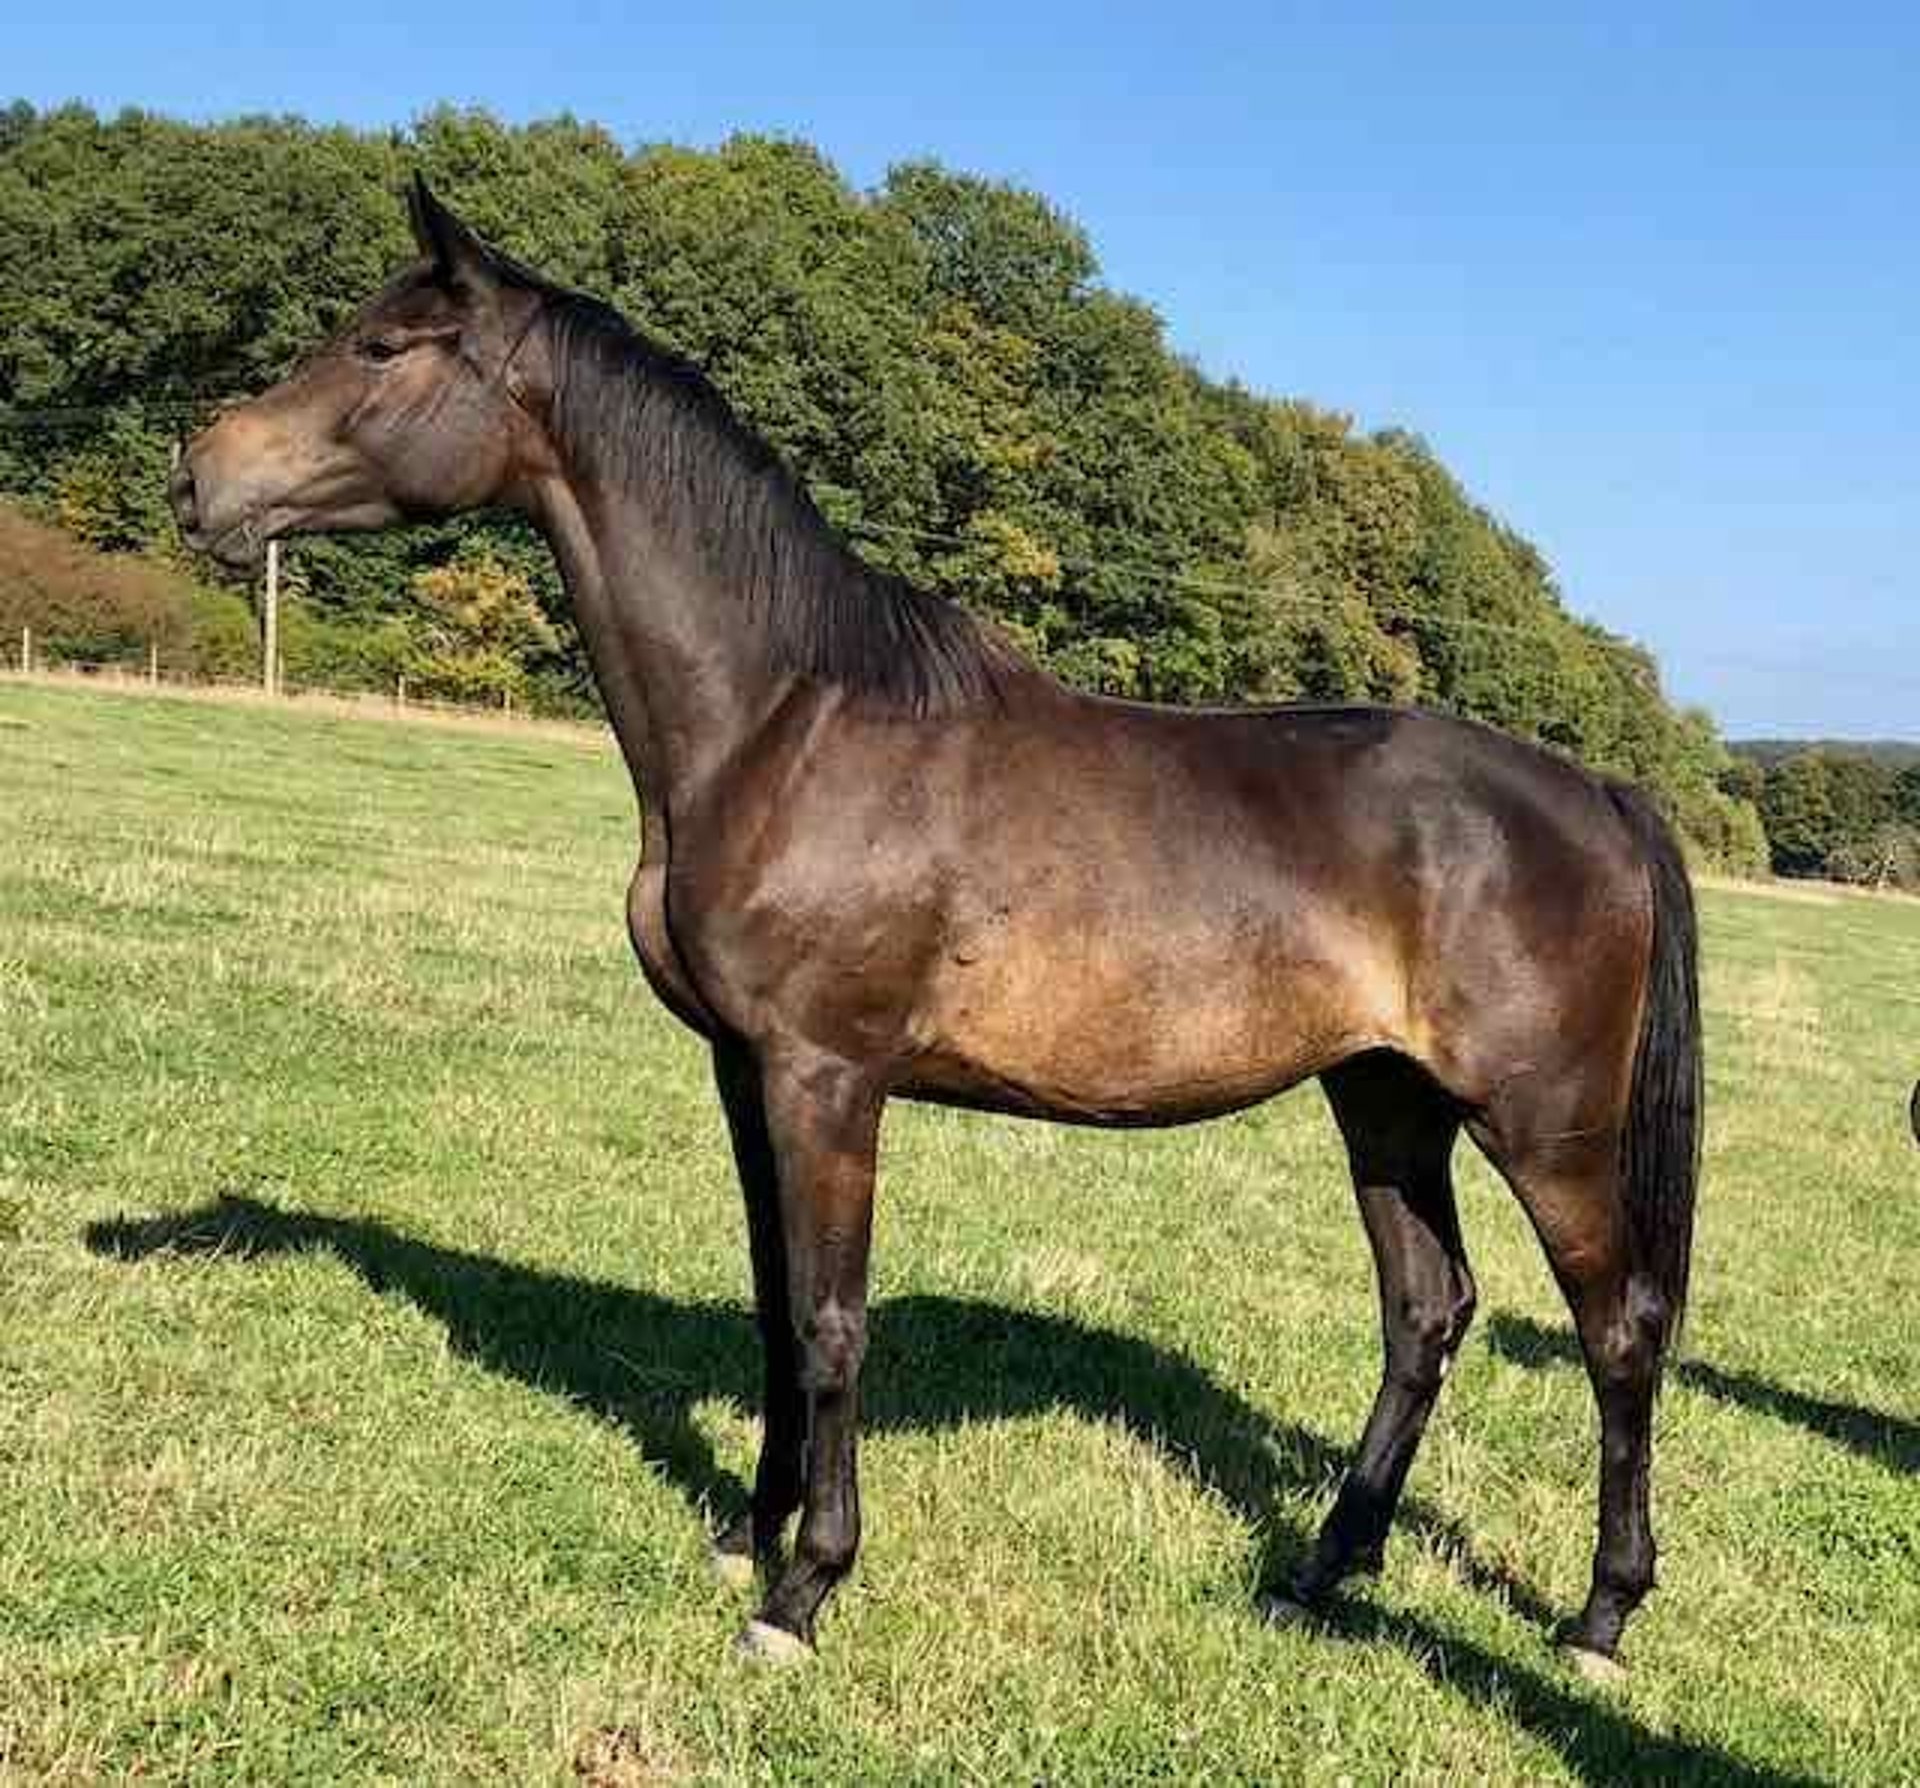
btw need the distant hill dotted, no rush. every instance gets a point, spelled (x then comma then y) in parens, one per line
(1896, 754)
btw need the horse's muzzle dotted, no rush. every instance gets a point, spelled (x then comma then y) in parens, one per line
(236, 542)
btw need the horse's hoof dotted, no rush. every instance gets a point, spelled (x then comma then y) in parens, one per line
(731, 1570)
(1595, 1666)
(1278, 1609)
(764, 1643)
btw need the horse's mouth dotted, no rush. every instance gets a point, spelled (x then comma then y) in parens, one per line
(239, 547)
(242, 547)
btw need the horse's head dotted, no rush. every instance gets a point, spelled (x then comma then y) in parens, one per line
(409, 412)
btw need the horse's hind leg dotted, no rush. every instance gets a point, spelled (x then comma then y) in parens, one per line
(1399, 1129)
(1572, 1191)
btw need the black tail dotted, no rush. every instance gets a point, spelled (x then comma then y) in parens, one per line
(1660, 1156)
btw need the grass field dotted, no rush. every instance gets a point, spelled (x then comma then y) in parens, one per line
(374, 1348)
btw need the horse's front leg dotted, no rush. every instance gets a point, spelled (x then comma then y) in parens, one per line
(754, 1535)
(823, 1124)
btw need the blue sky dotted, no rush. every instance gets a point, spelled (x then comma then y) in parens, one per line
(1649, 279)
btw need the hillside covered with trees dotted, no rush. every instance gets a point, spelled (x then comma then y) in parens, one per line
(1850, 813)
(938, 359)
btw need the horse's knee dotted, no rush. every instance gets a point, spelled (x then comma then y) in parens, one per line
(1425, 1331)
(1624, 1346)
(833, 1342)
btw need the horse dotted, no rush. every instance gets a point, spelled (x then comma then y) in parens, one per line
(882, 855)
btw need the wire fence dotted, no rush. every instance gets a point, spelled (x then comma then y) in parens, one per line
(405, 703)
(402, 700)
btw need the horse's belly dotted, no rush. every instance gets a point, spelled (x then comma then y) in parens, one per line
(1099, 1100)
(1090, 1031)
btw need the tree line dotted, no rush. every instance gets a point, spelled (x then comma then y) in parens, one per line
(1849, 814)
(938, 358)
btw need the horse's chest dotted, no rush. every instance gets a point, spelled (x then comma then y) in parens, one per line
(660, 960)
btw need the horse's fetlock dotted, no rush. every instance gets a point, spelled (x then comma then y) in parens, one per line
(1627, 1574)
(830, 1544)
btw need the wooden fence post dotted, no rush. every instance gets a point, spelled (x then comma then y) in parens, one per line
(270, 619)
(26, 650)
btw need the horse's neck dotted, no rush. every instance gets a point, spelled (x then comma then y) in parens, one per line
(684, 682)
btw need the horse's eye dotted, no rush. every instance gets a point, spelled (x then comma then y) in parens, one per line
(380, 351)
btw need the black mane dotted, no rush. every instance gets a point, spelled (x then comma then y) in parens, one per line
(627, 410)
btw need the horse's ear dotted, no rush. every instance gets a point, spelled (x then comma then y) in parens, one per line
(453, 249)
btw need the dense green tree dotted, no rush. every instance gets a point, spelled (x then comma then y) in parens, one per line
(1799, 814)
(481, 629)
(1851, 815)
(1906, 795)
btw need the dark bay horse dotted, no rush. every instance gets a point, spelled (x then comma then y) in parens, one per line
(882, 855)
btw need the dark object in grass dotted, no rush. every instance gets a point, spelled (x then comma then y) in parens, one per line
(1913, 1111)
(886, 856)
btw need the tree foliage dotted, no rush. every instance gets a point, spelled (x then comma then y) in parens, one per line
(483, 630)
(938, 359)
(87, 605)
(1853, 816)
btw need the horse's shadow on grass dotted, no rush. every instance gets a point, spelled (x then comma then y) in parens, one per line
(643, 1362)
(1889, 1440)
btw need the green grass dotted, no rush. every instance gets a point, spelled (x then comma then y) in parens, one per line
(373, 1347)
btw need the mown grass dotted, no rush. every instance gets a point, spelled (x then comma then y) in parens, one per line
(374, 1348)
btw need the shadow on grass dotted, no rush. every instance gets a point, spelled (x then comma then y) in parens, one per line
(1889, 1440)
(644, 1362)
(1596, 1736)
